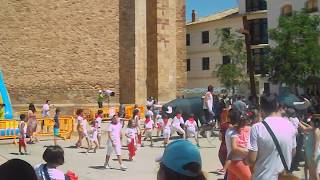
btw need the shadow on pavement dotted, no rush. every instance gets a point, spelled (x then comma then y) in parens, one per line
(97, 167)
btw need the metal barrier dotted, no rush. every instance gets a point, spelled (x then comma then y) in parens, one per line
(45, 127)
(9, 129)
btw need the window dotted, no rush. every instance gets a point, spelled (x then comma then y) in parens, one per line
(205, 63)
(258, 56)
(286, 10)
(205, 37)
(256, 5)
(259, 31)
(226, 60)
(188, 65)
(312, 5)
(226, 32)
(188, 39)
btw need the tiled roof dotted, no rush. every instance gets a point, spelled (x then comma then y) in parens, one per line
(218, 16)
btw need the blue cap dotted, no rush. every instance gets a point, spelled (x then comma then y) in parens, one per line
(179, 153)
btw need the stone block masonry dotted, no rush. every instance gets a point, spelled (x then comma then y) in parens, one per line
(65, 50)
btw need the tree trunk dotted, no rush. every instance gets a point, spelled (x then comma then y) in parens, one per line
(250, 62)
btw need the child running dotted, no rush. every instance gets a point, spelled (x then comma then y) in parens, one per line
(56, 127)
(94, 136)
(114, 142)
(131, 134)
(166, 130)
(148, 128)
(99, 121)
(23, 131)
(176, 124)
(82, 128)
(191, 128)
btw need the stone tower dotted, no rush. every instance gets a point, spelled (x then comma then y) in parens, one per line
(66, 50)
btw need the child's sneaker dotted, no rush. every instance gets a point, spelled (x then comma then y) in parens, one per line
(107, 166)
(123, 167)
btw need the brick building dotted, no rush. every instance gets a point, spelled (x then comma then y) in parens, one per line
(66, 50)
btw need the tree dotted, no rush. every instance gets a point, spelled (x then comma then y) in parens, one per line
(295, 56)
(231, 45)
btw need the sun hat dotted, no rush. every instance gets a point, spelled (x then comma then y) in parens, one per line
(178, 154)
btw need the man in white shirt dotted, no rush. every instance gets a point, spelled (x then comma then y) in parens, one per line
(208, 105)
(262, 150)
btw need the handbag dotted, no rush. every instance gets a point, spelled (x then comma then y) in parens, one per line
(285, 175)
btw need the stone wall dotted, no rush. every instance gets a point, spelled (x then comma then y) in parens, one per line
(60, 50)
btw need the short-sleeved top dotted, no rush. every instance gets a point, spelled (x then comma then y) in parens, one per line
(191, 125)
(45, 110)
(176, 122)
(231, 132)
(23, 129)
(149, 125)
(82, 122)
(131, 132)
(167, 127)
(56, 121)
(54, 174)
(99, 121)
(115, 130)
(243, 137)
(268, 163)
(149, 113)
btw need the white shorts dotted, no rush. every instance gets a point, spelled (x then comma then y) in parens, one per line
(177, 129)
(191, 132)
(110, 148)
(166, 133)
(148, 133)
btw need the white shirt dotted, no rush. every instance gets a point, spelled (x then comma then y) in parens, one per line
(131, 132)
(209, 99)
(54, 174)
(268, 164)
(45, 110)
(149, 125)
(190, 125)
(150, 113)
(115, 130)
(82, 122)
(176, 122)
(99, 120)
(167, 127)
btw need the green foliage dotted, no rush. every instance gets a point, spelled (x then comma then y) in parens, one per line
(232, 45)
(296, 55)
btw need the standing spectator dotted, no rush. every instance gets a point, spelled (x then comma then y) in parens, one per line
(240, 105)
(262, 150)
(46, 109)
(237, 139)
(150, 102)
(208, 105)
(54, 157)
(99, 121)
(32, 124)
(313, 149)
(181, 160)
(101, 99)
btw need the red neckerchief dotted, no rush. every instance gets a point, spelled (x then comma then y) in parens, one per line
(165, 121)
(147, 120)
(191, 120)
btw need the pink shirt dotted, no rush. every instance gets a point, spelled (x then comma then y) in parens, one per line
(243, 137)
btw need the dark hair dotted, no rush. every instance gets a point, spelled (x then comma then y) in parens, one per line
(291, 113)
(22, 117)
(165, 116)
(135, 112)
(172, 175)
(269, 104)
(148, 107)
(47, 101)
(32, 107)
(17, 169)
(100, 112)
(54, 155)
(210, 88)
(236, 118)
(79, 111)
(58, 110)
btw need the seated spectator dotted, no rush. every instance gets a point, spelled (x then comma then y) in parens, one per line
(181, 160)
(54, 157)
(17, 169)
(262, 150)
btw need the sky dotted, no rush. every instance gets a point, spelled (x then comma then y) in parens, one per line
(208, 7)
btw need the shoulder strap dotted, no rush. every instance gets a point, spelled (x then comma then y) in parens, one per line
(46, 173)
(276, 142)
